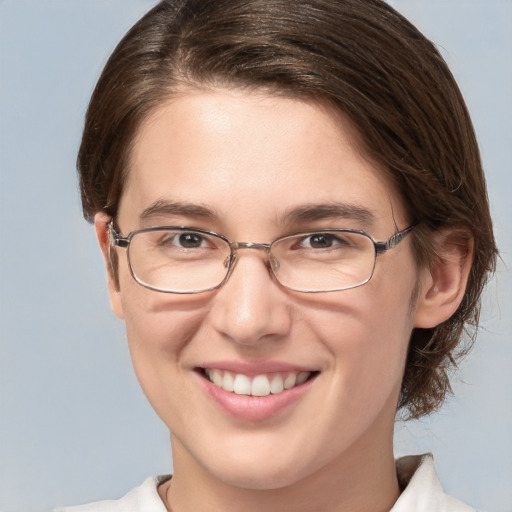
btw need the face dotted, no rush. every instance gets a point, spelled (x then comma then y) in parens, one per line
(243, 165)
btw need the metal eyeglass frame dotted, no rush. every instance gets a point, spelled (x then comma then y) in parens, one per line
(116, 239)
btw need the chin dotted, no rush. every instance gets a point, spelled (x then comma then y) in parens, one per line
(266, 464)
(253, 476)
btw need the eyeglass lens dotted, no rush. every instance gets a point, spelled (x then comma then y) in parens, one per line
(188, 261)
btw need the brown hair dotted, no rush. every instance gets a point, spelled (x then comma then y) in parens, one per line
(360, 57)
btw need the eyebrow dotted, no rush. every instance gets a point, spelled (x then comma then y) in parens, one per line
(332, 210)
(163, 207)
(297, 215)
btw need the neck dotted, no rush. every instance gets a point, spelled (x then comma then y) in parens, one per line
(360, 480)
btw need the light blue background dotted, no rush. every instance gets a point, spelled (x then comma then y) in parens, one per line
(74, 426)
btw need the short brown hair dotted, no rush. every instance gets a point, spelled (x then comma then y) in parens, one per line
(360, 57)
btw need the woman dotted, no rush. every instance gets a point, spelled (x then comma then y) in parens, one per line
(300, 198)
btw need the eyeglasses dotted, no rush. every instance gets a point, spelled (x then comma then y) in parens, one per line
(178, 259)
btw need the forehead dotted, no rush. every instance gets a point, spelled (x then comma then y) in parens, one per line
(251, 155)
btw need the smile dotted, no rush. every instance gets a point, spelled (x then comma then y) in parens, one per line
(260, 385)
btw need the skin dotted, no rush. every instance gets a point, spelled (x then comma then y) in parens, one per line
(250, 159)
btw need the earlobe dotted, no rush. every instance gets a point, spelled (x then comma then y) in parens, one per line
(101, 221)
(444, 283)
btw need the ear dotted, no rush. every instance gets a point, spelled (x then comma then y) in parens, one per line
(443, 284)
(101, 221)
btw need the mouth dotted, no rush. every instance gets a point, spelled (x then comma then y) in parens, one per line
(259, 385)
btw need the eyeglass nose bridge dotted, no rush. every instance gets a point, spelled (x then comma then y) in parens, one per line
(250, 245)
(230, 262)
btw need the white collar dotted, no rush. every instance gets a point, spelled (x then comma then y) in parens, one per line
(422, 489)
(416, 475)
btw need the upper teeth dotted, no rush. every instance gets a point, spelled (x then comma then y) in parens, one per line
(261, 385)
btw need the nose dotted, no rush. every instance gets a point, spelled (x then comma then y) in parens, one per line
(251, 307)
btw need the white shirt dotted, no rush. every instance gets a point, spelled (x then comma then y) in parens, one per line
(416, 474)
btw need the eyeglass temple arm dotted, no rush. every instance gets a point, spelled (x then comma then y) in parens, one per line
(114, 237)
(393, 240)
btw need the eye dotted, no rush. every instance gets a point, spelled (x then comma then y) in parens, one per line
(185, 240)
(323, 241)
(190, 240)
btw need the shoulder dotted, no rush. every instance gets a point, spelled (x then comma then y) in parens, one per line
(140, 499)
(422, 490)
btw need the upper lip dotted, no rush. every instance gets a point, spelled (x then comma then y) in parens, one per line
(253, 369)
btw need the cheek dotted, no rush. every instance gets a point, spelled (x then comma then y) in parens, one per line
(159, 329)
(370, 350)
(157, 324)
(367, 332)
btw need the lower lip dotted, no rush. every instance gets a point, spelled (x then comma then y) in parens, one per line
(255, 408)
